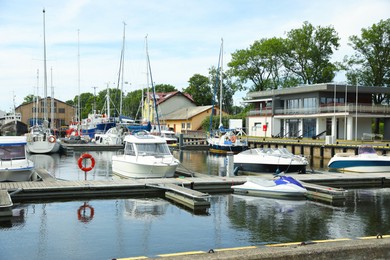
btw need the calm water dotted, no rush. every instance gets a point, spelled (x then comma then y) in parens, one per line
(128, 227)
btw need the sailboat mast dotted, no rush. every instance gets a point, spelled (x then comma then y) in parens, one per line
(52, 101)
(36, 101)
(220, 84)
(44, 70)
(147, 78)
(122, 65)
(78, 82)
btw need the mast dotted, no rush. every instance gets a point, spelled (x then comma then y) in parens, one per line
(52, 101)
(147, 78)
(78, 81)
(36, 101)
(220, 83)
(153, 91)
(44, 70)
(122, 65)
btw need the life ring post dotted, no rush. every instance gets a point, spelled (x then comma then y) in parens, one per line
(82, 163)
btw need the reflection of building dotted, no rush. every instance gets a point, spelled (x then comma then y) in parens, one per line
(63, 112)
(342, 111)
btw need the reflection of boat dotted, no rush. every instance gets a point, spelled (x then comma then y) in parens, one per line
(15, 166)
(273, 160)
(283, 187)
(147, 208)
(145, 156)
(367, 160)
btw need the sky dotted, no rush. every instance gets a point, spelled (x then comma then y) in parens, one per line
(84, 39)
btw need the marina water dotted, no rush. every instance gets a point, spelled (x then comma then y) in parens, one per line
(126, 227)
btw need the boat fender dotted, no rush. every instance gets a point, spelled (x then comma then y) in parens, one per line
(52, 139)
(83, 157)
(81, 213)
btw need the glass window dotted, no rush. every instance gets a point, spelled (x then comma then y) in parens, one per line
(153, 149)
(12, 152)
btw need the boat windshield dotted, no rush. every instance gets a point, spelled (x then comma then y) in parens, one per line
(153, 149)
(366, 150)
(12, 152)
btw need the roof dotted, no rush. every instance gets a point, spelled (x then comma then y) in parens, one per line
(163, 96)
(324, 87)
(40, 99)
(186, 113)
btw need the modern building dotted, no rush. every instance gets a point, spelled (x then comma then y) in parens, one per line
(320, 110)
(33, 112)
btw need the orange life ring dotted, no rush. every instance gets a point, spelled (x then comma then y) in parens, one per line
(81, 213)
(89, 120)
(52, 139)
(82, 158)
(233, 138)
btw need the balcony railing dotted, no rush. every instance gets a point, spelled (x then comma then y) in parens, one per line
(338, 108)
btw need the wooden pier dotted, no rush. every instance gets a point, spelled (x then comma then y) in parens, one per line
(5, 203)
(190, 189)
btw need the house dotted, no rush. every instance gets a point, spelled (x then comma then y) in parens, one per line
(34, 112)
(166, 103)
(339, 111)
(189, 118)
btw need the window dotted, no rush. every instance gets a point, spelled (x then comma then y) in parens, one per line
(188, 125)
(61, 110)
(183, 125)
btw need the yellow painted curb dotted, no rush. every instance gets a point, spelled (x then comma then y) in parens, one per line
(132, 258)
(235, 248)
(183, 253)
(331, 240)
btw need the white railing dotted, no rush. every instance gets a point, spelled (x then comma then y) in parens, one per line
(338, 108)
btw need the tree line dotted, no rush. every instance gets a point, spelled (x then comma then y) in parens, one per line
(303, 56)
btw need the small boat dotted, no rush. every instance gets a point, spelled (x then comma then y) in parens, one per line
(145, 156)
(228, 141)
(41, 140)
(281, 187)
(114, 136)
(273, 160)
(15, 166)
(366, 161)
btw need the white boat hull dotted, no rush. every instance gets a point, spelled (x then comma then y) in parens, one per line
(43, 147)
(144, 167)
(16, 170)
(363, 163)
(267, 188)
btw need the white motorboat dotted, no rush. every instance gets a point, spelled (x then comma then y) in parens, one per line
(15, 166)
(41, 140)
(366, 161)
(283, 187)
(273, 160)
(145, 156)
(114, 136)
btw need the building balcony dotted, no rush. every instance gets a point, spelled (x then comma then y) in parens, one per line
(337, 108)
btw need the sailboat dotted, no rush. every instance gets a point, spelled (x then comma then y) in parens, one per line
(224, 140)
(40, 139)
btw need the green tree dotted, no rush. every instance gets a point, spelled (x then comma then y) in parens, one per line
(132, 104)
(200, 90)
(261, 64)
(308, 51)
(164, 88)
(370, 65)
(28, 99)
